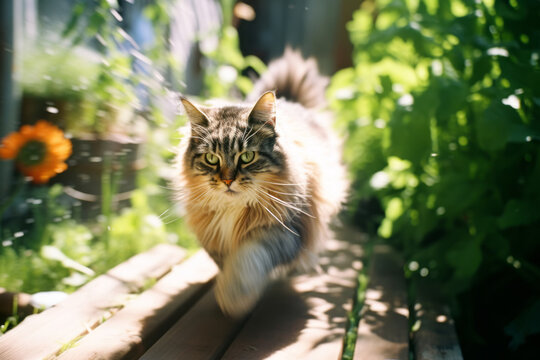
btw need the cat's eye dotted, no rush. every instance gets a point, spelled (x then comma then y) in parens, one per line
(247, 157)
(211, 158)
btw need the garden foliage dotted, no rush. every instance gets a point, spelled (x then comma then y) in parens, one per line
(442, 112)
(47, 240)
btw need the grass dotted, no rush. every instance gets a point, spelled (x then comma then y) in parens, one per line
(12, 320)
(355, 314)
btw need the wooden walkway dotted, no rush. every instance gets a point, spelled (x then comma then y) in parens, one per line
(158, 305)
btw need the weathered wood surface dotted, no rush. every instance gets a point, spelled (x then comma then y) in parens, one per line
(302, 317)
(436, 337)
(383, 331)
(142, 321)
(43, 335)
(203, 333)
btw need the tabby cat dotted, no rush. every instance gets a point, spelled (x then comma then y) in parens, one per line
(260, 181)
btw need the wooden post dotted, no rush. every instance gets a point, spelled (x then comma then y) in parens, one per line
(9, 94)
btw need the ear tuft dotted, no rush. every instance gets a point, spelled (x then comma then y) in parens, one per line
(195, 116)
(264, 111)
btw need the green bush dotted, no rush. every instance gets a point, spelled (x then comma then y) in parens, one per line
(442, 111)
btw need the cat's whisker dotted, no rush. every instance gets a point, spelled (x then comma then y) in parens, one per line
(204, 140)
(173, 220)
(244, 133)
(270, 204)
(200, 195)
(284, 193)
(197, 191)
(259, 129)
(284, 203)
(248, 133)
(276, 183)
(166, 216)
(200, 128)
(294, 202)
(163, 213)
(169, 218)
(281, 222)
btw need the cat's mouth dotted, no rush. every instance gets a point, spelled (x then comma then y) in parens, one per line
(231, 192)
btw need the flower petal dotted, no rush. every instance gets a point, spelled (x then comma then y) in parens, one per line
(58, 149)
(10, 146)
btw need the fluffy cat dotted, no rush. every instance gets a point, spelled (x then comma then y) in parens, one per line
(260, 181)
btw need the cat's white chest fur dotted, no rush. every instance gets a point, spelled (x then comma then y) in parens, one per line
(223, 228)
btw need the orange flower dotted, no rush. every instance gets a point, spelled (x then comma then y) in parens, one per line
(39, 151)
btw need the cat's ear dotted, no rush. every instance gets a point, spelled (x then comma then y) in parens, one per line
(264, 111)
(195, 116)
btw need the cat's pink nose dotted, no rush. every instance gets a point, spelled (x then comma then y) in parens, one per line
(228, 182)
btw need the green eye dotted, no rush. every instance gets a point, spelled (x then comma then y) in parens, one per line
(247, 157)
(211, 159)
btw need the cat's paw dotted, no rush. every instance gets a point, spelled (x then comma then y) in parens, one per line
(237, 294)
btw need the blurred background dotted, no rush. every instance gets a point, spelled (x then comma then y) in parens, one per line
(438, 102)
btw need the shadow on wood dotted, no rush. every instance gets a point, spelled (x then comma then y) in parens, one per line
(305, 316)
(302, 317)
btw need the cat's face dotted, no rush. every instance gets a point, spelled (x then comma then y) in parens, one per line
(232, 152)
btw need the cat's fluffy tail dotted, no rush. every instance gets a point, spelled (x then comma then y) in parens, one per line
(294, 78)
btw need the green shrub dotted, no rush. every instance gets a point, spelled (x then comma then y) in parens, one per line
(442, 111)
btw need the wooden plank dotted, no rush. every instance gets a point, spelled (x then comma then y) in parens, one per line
(85, 308)
(436, 337)
(304, 317)
(142, 321)
(383, 332)
(202, 333)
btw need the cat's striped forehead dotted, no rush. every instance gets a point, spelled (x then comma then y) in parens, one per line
(226, 115)
(227, 139)
(229, 131)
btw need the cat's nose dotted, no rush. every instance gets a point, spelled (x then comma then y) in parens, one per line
(228, 182)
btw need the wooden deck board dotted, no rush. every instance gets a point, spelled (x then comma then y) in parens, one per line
(141, 322)
(301, 317)
(436, 338)
(202, 333)
(85, 308)
(383, 332)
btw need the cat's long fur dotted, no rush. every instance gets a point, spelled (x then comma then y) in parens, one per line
(275, 213)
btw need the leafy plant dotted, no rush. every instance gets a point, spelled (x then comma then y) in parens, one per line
(225, 64)
(59, 253)
(113, 90)
(45, 244)
(442, 112)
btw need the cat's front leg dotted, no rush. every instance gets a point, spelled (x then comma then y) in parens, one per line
(246, 273)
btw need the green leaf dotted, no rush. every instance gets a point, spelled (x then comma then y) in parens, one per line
(410, 136)
(519, 212)
(255, 63)
(527, 323)
(465, 258)
(481, 67)
(394, 208)
(452, 95)
(495, 126)
(78, 10)
(244, 84)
